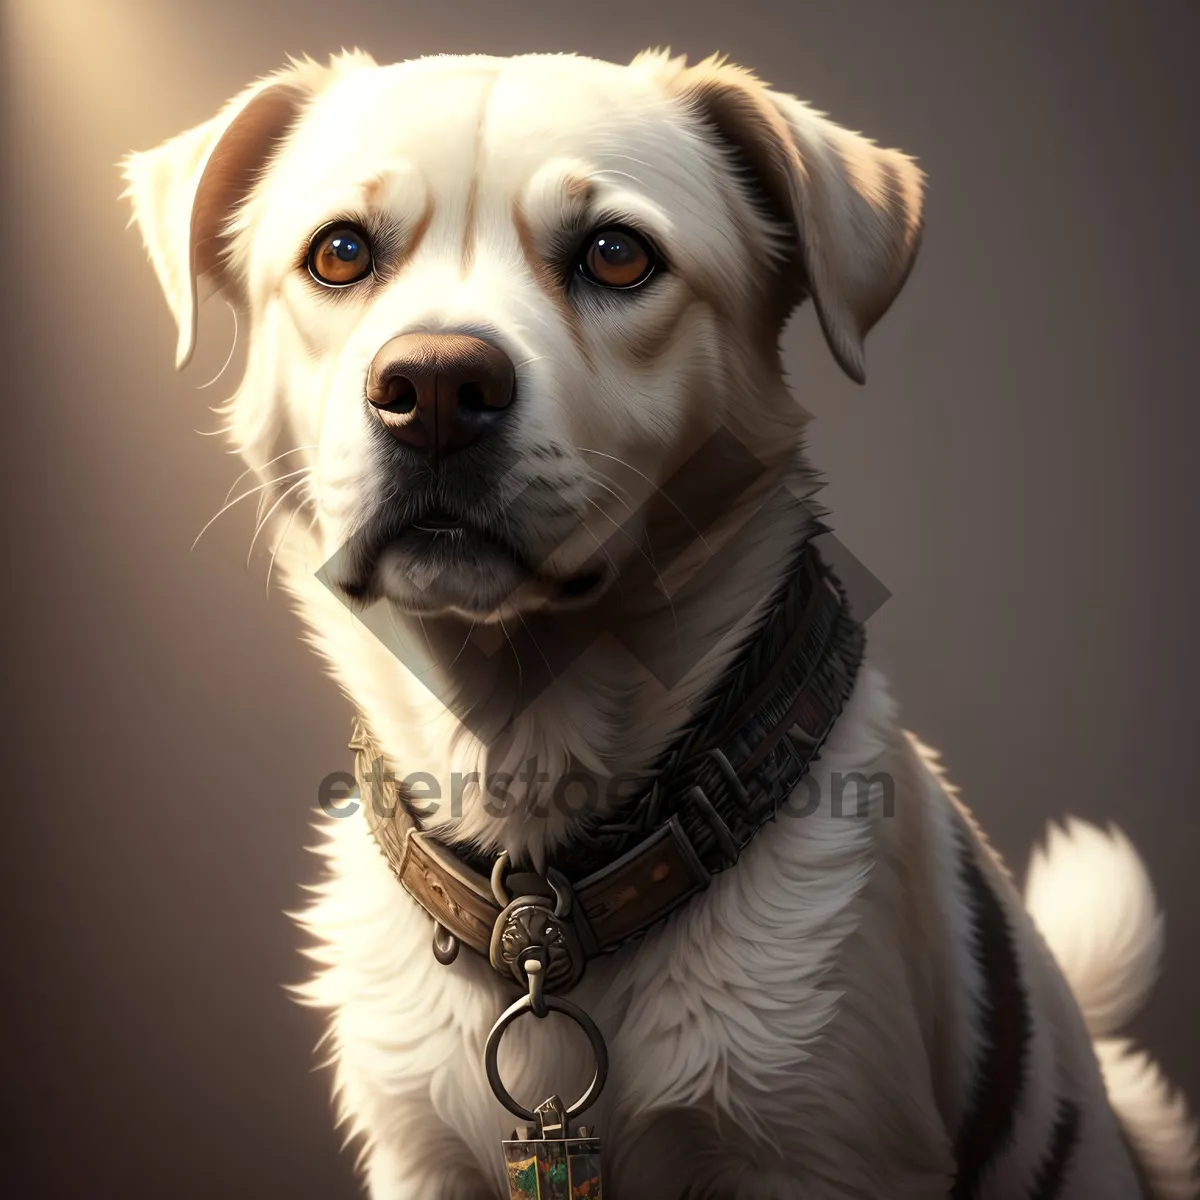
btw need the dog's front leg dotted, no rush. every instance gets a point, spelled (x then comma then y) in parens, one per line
(426, 1164)
(410, 1148)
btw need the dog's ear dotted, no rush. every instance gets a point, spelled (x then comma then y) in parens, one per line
(855, 208)
(185, 191)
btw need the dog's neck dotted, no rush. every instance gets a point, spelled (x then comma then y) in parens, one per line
(505, 736)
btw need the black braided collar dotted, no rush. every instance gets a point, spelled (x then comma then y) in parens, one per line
(729, 771)
(760, 727)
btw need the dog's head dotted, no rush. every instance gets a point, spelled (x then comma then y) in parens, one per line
(493, 303)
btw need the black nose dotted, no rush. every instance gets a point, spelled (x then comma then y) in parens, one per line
(438, 392)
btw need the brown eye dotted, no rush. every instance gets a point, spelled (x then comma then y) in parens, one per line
(617, 258)
(339, 256)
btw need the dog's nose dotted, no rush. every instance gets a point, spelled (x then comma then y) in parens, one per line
(438, 392)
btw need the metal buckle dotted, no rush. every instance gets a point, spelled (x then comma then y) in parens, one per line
(533, 938)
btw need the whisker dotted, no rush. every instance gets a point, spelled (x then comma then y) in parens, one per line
(463, 646)
(223, 406)
(600, 546)
(283, 537)
(619, 499)
(549, 668)
(421, 622)
(237, 499)
(229, 359)
(262, 524)
(649, 562)
(659, 490)
(391, 612)
(269, 463)
(513, 648)
(391, 615)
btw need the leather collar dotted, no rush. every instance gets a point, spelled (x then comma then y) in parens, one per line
(751, 742)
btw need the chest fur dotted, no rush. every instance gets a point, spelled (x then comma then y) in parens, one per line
(731, 1007)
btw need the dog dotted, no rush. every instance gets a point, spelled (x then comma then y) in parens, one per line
(513, 394)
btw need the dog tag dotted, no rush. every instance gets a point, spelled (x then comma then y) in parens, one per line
(545, 1160)
(548, 1163)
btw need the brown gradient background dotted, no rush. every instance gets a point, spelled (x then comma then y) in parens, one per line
(1019, 471)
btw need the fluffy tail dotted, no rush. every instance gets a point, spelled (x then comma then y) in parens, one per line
(1089, 894)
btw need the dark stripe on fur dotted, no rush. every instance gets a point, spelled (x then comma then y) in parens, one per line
(1005, 1028)
(1051, 1175)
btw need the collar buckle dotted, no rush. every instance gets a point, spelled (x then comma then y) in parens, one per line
(534, 938)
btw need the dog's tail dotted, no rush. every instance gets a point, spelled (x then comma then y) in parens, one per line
(1089, 894)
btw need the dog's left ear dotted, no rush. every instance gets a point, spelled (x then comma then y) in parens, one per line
(185, 191)
(855, 208)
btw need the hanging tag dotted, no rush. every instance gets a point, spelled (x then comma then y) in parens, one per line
(550, 1162)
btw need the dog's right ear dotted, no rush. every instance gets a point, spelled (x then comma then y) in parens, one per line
(185, 191)
(853, 208)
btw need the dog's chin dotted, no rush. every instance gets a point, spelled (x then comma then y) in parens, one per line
(472, 573)
(463, 570)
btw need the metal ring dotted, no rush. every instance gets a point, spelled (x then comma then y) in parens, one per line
(445, 944)
(499, 891)
(554, 1004)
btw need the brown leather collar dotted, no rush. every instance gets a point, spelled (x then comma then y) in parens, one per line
(728, 773)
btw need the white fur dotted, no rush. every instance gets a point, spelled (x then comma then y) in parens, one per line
(1090, 897)
(1154, 1116)
(808, 1025)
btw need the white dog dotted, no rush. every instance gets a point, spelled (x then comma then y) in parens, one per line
(513, 361)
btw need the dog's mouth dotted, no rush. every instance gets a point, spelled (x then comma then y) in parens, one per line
(438, 560)
(442, 531)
